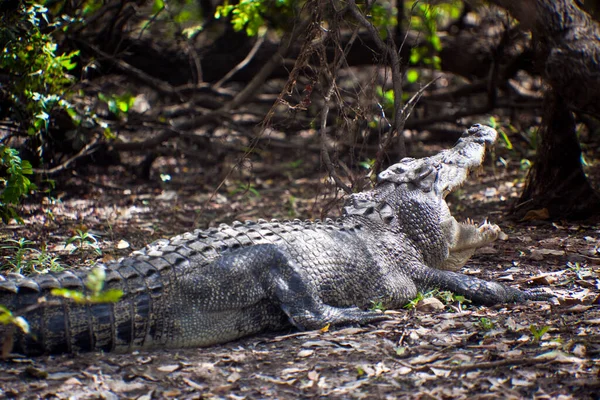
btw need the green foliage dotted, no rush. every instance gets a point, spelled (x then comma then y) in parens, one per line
(367, 164)
(38, 73)
(246, 189)
(584, 271)
(24, 258)
(118, 105)
(377, 306)
(413, 303)
(538, 333)
(444, 296)
(387, 98)
(382, 15)
(37, 79)
(83, 240)
(16, 184)
(525, 164)
(291, 206)
(448, 297)
(95, 285)
(7, 318)
(426, 19)
(485, 324)
(249, 15)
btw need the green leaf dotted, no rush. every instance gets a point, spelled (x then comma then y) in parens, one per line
(157, 6)
(7, 317)
(108, 296)
(66, 61)
(26, 168)
(74, 295)
(412, 75)
(436, 43)
(95, 280)
(505, 139)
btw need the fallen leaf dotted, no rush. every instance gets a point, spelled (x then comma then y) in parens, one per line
(234, 377)
(508, 277)
(579, 308)
(540, 214)
(168, 368)
(305, 353)
(430, 304)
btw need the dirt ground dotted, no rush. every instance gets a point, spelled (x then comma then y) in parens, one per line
(538, 350)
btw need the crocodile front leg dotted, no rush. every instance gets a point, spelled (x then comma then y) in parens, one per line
(463, 239)
(477, 290)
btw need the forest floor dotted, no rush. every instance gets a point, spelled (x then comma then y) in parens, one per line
(548, 349)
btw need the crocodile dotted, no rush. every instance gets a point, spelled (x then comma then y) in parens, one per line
(216, 285)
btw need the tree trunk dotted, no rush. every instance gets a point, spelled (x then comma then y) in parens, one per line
(568, 42)
(556, 181)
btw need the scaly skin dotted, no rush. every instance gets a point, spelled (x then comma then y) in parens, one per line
(212, 286)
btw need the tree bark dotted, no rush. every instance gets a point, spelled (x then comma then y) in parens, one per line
(556, 181)
(568, 49)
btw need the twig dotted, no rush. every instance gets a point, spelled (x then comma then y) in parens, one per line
(324, 152)
(170, 132)
(159, 85)
(495, 364)
(262, 75)
(412, 124)
(399, 119)
(85, 151)
(323, 129)
(412, 102)
(244, 62)
(455, 92)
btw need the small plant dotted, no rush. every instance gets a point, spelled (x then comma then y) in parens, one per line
(583, 271)
(292, 206)
(249, 15)
(538, 333)
(16, 261)
(448, 297)
(525, 164)
(16, 183)
(377, 306)
(83, 240)
(246, 189)
(118, 105)
(95, 285)
(485, 324)
(26, 259)
(413, 303)
(295, 164)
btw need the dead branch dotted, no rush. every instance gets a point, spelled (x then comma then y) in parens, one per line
(88, 149)
(244, 62)
(323, 134)
(157, 84)
(392, 52)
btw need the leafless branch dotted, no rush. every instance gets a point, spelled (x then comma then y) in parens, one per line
(85, 151)
(157, 84)
(244, 62)
(391, 50)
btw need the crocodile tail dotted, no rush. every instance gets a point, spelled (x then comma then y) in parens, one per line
(59, 325)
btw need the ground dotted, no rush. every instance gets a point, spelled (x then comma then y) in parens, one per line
(548, 349)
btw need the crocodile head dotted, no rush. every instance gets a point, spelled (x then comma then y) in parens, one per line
(410, 199)
(447, 170)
